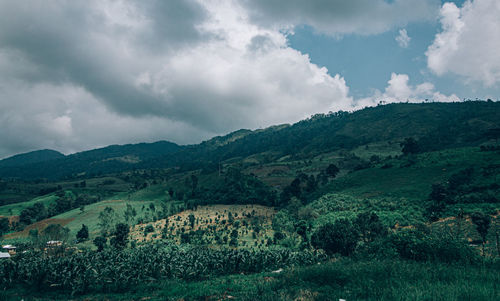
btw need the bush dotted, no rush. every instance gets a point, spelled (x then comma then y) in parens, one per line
(416, 245)
(148, 229)
(341, 237)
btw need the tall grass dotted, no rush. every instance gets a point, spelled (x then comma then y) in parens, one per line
(342, 279)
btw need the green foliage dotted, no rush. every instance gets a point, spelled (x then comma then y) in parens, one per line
(340, 237)
(83, 233)
(113, 270)
(332, 170)
(148, 229)
(120, 238)
(410, 146)
(100, 243)
(370, 226)
(129, 213)
(482, 223)
(55, 232)
(106, 219)
(191, 220)
(4, 226)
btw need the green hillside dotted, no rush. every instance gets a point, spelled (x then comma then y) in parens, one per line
(391, 196)
(436, 125)
(31, 157)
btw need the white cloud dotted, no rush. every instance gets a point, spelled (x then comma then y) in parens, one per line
(403, 39)
(81, 76)
(469, 42)
(399, 90)
(337, 17)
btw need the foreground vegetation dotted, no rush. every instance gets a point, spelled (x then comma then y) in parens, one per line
(341, 279)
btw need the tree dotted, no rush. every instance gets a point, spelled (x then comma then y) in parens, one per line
(106, 219)
(409, 146)
(482, 223)
(194, 184)
(370, 227)
(185, 238)
(55, 232)
(129, 213)
(341, 237)
(35, 237)
(83, 234)
(4, 226)
(332, 170)
(301, 229)
(120, 238)
(100, 243)
(148, 229)
(192, 219)
(438, 198)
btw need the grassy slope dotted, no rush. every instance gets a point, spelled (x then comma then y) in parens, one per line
(74, 219)
(15, 209)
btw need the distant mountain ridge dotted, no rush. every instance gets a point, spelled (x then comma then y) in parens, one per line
(434, 125)
(113, 158)
(31, 157)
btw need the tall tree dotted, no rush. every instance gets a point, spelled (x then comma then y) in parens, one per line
(55, 232)
(409, 146)
(4, 226)
(129, 213)
(370, 226)
(106, 220)
(332, 170)
(120, 238)
(100, 243)
(83, 234)
(192, 219)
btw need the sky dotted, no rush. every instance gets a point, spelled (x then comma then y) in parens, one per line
(76, 75)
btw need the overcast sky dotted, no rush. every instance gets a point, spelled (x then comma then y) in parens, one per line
(75, 75)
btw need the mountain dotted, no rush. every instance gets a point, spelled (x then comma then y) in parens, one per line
(109, 159)
(435, 126)
(31, 157)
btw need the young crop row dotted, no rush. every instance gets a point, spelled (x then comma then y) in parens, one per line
(113, 270)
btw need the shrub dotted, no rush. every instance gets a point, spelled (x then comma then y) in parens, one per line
(341, 237)
(148, 229)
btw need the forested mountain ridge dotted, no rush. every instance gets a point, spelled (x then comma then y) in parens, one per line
(31, 157)
(113, 158)
(435, 125)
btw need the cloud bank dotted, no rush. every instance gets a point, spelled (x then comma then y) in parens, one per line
(469, 42)
(337, 17)
(399, 90)
(76, 75)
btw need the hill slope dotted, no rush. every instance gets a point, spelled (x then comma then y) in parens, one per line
(31, 157)
(435, 125)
